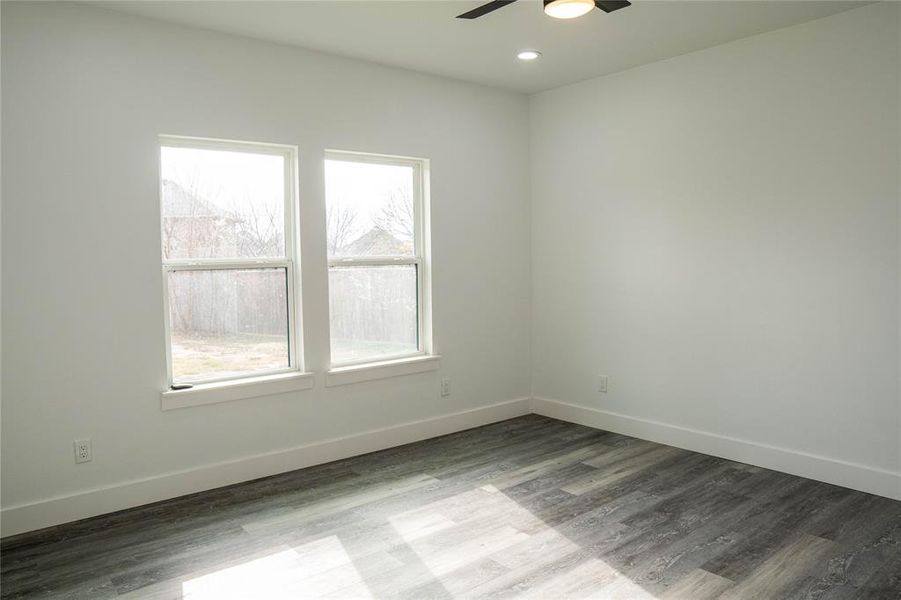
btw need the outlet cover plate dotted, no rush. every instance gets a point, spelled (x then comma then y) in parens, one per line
(83, 451)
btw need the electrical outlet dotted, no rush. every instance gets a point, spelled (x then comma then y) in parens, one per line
(83, 451)
(602, 384)
(445, 387)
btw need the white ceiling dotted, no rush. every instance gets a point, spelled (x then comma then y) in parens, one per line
(424, 35)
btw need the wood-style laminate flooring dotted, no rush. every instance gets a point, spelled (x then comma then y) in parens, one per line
(527, 508)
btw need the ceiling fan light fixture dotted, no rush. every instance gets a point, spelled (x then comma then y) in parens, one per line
(567, 9)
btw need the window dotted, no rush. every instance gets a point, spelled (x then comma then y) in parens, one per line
(228, 259)
(378, 274)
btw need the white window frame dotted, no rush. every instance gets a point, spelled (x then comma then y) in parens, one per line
(339, 372)
(253, 383)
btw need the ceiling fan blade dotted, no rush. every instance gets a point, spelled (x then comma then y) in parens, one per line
(485, 9)
(609, 6)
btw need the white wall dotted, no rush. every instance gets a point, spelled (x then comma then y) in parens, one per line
(719, 234)
(85, 94)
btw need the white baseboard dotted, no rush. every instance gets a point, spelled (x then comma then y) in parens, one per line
(63, 509)
(846, 474)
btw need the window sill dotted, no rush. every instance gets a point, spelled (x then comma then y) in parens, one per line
(239, 389)
(381, 370)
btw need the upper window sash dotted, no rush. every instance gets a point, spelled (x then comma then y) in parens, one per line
(288, 154)
(417, 190)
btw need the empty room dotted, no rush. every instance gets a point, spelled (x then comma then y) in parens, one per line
(450, 299)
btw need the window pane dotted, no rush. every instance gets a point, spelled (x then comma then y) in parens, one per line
(373, 312)
(369, 209)
(227, 322)
(222, 204)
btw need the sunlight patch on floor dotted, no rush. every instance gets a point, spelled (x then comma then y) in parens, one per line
(591, 579)
(454, 543)
(460, 543)
(417, 524)
(281, 576)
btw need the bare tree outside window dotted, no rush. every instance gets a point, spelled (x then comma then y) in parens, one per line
(260, 228)
(340, 226)
(396, 214)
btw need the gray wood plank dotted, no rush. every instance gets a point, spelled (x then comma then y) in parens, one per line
(698, 585)
(779, 573)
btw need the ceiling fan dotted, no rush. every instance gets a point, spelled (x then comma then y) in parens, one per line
(561, 9)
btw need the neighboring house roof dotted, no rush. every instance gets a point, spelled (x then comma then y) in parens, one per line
(180, 203)
(377, 242)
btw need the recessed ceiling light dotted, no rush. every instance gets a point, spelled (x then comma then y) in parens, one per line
(567, 9)
(528, 54)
